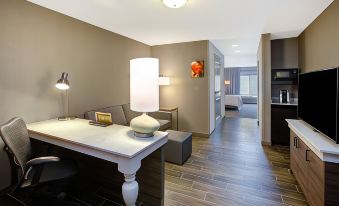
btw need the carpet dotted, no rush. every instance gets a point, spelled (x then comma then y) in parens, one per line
(247, 111)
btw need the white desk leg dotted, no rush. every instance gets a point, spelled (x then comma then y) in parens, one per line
(130, 190)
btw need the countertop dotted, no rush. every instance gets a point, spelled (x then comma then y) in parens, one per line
(287, 104)
(326, 149)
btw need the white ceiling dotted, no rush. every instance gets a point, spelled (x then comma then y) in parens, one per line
(244, 55)
(238, 21)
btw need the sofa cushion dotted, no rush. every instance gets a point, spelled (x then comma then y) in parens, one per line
(129, 114)
(118, 116)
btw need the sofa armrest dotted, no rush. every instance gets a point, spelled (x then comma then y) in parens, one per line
(161, 115)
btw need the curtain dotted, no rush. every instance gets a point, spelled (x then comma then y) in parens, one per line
(233, 76)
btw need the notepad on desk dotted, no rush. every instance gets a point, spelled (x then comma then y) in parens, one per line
(102, 119)
(95, 123)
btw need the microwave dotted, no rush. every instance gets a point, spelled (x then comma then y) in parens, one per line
(285, 76)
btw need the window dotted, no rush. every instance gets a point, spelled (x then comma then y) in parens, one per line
(244, 85)
(248, 85)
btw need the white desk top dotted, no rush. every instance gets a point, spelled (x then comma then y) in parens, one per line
(114, 139)
(321, 145)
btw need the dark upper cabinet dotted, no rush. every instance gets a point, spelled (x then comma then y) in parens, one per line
(284, 53)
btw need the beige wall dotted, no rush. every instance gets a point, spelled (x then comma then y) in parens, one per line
(37, 44)
(319, 43)
(190, 95)
(284, 53)
(264, 97)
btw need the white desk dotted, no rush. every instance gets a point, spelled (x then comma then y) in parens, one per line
(114, 143)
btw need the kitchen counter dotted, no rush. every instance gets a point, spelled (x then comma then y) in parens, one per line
(287, 104)
(326, 149)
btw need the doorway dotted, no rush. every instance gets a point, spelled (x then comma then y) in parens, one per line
(241, 96)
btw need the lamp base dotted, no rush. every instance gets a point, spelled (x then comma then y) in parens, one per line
(143, 135)
(144, 126)
(66, 118)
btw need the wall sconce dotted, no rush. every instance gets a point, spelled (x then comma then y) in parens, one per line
(164, 81)
(227, 82)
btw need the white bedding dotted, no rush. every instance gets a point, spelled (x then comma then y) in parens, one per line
(233, 100)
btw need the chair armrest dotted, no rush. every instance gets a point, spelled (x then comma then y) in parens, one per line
(161, 115)
(42, 160)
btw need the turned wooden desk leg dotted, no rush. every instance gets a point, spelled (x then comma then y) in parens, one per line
(130, 189)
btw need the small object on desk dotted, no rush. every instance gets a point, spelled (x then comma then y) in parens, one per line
(101, 124)
(102, 117)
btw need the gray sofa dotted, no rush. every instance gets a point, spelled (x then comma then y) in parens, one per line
(122, 115)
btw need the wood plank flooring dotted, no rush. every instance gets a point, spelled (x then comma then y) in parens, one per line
(233, 168)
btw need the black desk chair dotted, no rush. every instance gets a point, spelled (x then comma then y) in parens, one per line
(27, 172)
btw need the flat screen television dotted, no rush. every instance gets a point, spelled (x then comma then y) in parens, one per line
(318, 101)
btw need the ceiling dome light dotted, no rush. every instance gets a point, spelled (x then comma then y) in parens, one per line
(174, 3)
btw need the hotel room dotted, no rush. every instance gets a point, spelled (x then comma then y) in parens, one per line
(169, 102)
(241, 93)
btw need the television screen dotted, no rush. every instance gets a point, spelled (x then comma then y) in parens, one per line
(317, 101)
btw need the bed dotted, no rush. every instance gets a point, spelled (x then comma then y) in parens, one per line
(233, 102)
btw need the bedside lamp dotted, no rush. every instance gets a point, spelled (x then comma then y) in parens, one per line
(144, 95)
(63, 84)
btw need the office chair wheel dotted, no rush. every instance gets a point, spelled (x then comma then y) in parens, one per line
(61, 196)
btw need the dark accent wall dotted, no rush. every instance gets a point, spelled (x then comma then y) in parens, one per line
(37, 44)
(319, 43)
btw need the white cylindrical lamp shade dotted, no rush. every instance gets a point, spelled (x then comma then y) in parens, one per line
(144, 84)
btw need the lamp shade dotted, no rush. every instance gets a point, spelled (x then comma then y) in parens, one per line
(164, 81)
(144, 84)
(227, 82)
(63, 83)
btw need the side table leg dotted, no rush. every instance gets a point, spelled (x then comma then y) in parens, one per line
(177, 119)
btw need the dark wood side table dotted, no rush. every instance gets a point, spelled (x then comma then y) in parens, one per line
(172, 109)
